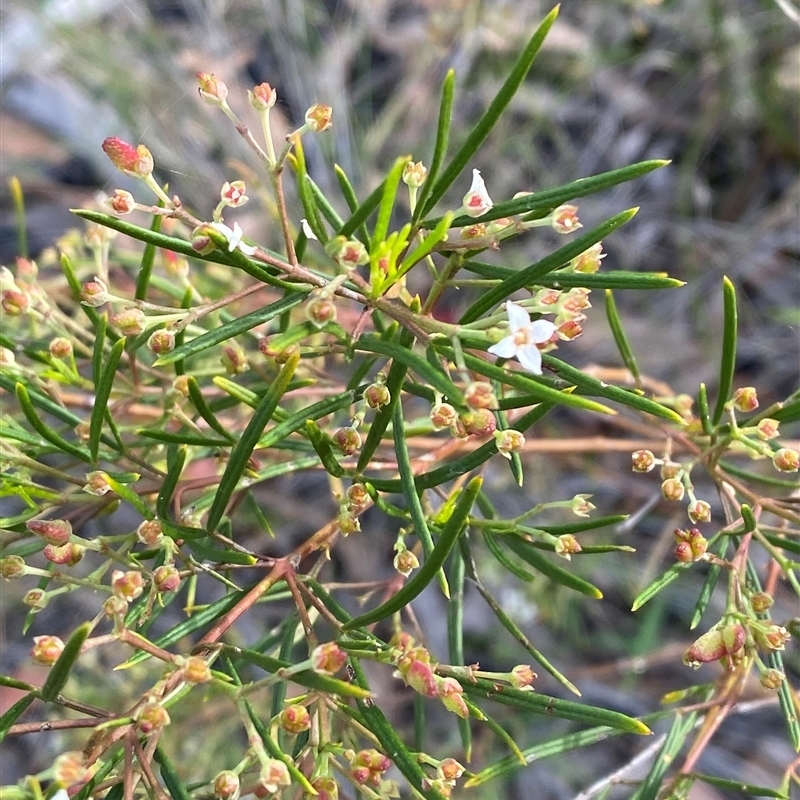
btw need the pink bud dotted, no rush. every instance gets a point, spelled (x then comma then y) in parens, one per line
(480, 422)
(262, 97)
(46, 649)
(68, 554)
(745, 399)
(348, 440)
(328, 658)
(134, 161)
(274, 774)
(449, 769)
(480, 394)
(350, 253)
(326, 788)
(151, 717)
(94, 293)
(786, 460)
(450, 692)
(699, 511)
(121, 202)
(672, 489)
(319, 118)
(443, 415)
(234, 359)
(212, 90)
(295, 719)
(130, 321)
(53, 531)
(522, 675)
(565, 219)
(15, 303)
(419, 676)
(166, 578)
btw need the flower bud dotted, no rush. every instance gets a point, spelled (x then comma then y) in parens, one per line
(161, 341)
(480, 394)
(580, 505)
(449, 769)
(53, 531)
(166, 578)
(320, 311)
(443, 415)
(357, 497)
(372, 759)
(414, 174)
(226, 785)
(68, 554)
(709, 647)
(127, 585)
(195, 669)
(129, 321)
(480, 422)
(295, 719)
(761, 602)
(673, 489)
(70, 770)
(786, 460)
(233, 358)
(15, 303)
(115, 607)
(12, 567)
(521, 676)
(121, 202)
(589, 260)
(150, 532)
(476, 201)
(348, 522)
(642, 461)
(262, 97)
(565, 219)
(211, 89)
(569, 330)
(181, 384)
(46, 649)
(94, 293)
(134, 161)
(745, 399)
(233, 194)
(772, 679)
(670, 469)
(771, 637)
(767, 429)
(508, 441)
(404, 562)
(36, 600)
(319, 118)
(566, 545)
(151, 717)
(695, 545)
(699, 511)
(274, 775)
(97, 483)
(326, 788)
(349, 253)
(450, 692)
(60, 347)
(348, 440)
(419, 676)
(377, 395)
(328, 658)
(474, 231)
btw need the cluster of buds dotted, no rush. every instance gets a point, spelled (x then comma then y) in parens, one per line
(692, 545)
(567, 306)
(367, 767)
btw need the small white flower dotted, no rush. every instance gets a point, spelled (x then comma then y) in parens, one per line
(477, 200)
(523, 338)
(309, 234)
(234, 237)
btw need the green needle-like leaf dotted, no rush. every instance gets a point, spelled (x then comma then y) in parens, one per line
(60, 671)
(728, 360)
(531, 275)
(241, 453)
(620, 339)
(102, 393)
(650, 591)
(176, 458)
(175, 786)
(452, 529)
(485, 124)
(390, 186)
(148, 259)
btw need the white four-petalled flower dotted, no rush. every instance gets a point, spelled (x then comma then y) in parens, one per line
(524, 336)
(234, 237)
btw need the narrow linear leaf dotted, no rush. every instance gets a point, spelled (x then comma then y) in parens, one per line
(786, 700)
(102, 393)
(176, 458)
(99, 344)
(203, 409)
(620, 339)
(43, 430)
(323, 449)
(413, 501)
(728, 359)
(175, 786)
(233, 328)
(535, 272)
(363, 212)
(709, 585)
(425, 247)
(738, 786)
(442, 139)
(502, 558)
(485, 124)
(14, 713)
(452, 529)
(650, 591)
(556, 573)
(325, 207)
(499, 731)
(183, 437)
(390, 186)
(455, 636)
(240, 455)
(59, 672)
(703, 411)
(148, 259)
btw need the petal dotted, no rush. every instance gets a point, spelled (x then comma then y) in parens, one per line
(530, 358)
(505, 348)
(517, 316)
(236, 237)
(542, 330)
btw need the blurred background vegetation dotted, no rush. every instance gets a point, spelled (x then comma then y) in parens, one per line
(713, 85)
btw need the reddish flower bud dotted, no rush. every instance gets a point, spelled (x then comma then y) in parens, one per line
(761, 602)
(566, 545)
(233, 358)
(709, 647)
(786, 460)
(127, 585)
(360, 775)
(130, 321)
(12, 567)
(295, 719)
(150, 532)
(195, 669)
(46, 649)
(60, 347)
(15, 303)
(642, 461)
(443, 415)
(419, 676)
(53, 531)
(683, 552)
(94, 293)
(161, 341)
(226, 785)
(349, 253)
(569, 330)
(377, 395)
(328, 658)
(508, 441)
(672, 489)
(480, 422)
(326, 788)
(134, 161)
(262, 97)
(320, 311)
(521, 676)
(745, 399)
(767, 429)
(404, 562)
(699, 511)
(151, 717)
(565, 219)
(348, 440)
(211, 89)
(68, 554)
(480, 394)
(121, 202)
(319, 118)
(414, 174)
(450, 692)
(166, 578)
(771, 637)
